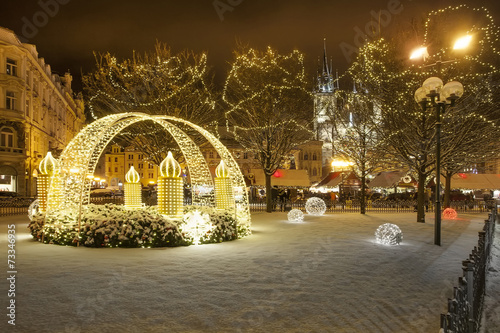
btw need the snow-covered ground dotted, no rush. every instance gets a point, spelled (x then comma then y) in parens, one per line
(490, 322)
(324, 275)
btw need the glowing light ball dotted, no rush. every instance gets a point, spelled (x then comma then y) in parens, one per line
(388, 234)
(315, 206)
(295, 215)
(450, 213)
(33, 209)
(197, 225)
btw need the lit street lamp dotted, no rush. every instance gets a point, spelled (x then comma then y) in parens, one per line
(433, 94)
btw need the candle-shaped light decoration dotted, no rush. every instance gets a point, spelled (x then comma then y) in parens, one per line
(170, 188)
(132, 189)
(223, 187)
(47, 169)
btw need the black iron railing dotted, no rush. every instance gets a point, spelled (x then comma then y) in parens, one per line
(465, 308)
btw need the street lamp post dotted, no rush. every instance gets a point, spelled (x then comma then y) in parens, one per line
(433, 94)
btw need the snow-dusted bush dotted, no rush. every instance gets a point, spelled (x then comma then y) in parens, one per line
(114, 226)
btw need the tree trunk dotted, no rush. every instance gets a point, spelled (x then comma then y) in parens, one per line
(447, 189)
(362, 200)
(269, 194)
(421, 197)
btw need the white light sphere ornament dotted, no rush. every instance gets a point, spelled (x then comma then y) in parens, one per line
(197, 225)
(295, 215)
(315, 206)
(388, 234)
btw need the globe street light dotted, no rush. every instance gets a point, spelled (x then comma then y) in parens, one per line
(433, 94)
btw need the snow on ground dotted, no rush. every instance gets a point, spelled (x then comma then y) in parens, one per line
(324, 275)
(490, 322)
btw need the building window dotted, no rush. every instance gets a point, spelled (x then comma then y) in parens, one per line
(306, 156)
(150, 166)
(116, 169)
(116, 159)
(130, 156)
(141, 157)
(11, 67)
(211, 154)
(109, 160)
(245, 156)
(151, 175)
(141, 166)
(314, 157)
(7, 138)
(10, 101)
(109, 169)
(130, 165)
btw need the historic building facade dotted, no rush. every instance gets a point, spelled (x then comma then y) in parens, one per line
(38, 113)
(118, 162)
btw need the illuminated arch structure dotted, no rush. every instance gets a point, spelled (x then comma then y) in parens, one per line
(70, 188)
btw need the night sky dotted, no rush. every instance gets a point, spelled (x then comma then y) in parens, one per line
(68, 34)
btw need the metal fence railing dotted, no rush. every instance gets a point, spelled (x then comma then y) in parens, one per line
(464, 309)
(381, 206)
(15, 206)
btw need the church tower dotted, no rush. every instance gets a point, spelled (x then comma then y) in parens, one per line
(324, 107)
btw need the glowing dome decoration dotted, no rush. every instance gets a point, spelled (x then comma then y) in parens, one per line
(47, 170)
(169, 167)
(197, 225)
(295, 215)
(388, 234)
(224, 197)
(48, 165)
(315, 206)
(170, 188)
(222, 171)
(132, 176)
(450, 214)
(132, 190)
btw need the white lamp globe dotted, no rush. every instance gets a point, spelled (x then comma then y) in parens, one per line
(295, 215)
(315, 206)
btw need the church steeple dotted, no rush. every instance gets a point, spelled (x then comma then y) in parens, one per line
(325, 78)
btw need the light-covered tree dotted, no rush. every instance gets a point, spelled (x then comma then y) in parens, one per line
(158, 83)
(268, 106)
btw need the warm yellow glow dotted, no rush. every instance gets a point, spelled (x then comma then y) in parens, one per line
(48, 165)
(340, 163)
(90, 176)
(462, 42)
(133, 196)
(420, 53)
(132, 176)
(169, 167)
(97, 179)
(151, 181)
(222, 171)
(74, 170)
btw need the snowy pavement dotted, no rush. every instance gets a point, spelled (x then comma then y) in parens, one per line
(324, 275)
